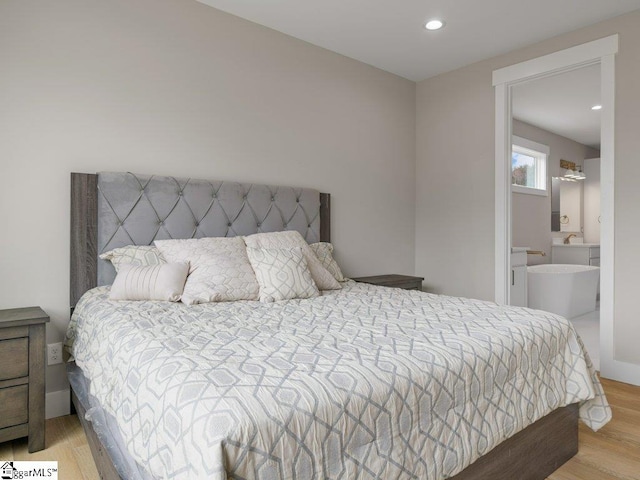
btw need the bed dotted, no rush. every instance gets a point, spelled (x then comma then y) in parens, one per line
(361, 382)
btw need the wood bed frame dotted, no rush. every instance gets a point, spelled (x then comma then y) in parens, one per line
(532, 454)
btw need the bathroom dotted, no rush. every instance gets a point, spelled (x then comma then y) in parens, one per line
(555, 213)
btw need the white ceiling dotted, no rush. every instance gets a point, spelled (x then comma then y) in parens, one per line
(389, 34)
(562, 104)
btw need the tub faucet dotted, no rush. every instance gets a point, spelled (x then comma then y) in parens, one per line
(568, 238)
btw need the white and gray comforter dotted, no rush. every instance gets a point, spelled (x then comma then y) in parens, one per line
(366, 382)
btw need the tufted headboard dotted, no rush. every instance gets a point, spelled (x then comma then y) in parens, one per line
(114, 209)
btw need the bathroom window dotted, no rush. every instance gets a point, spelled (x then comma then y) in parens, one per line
(529, 167)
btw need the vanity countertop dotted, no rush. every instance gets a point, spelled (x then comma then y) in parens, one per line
(576, 245)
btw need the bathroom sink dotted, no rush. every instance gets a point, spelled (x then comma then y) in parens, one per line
(576, 241)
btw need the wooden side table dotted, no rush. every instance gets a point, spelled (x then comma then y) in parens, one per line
(407, 282)
(22, 375)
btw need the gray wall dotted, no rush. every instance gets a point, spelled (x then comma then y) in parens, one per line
(455, 175)
(175, 87)
(531, 214)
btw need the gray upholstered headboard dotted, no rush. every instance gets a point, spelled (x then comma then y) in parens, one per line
(113, 209)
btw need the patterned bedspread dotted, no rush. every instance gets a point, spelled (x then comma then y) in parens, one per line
(366, 382)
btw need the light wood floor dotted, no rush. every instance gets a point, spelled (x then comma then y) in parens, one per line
(66, 443)
(613, 453)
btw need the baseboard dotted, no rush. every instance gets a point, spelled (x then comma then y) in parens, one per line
(620, 371)
(58, 404)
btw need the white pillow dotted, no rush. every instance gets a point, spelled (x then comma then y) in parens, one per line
(324, 252)
(155, 282)
(141, 255)
(291, 239)
(219, 269)
(283, 274)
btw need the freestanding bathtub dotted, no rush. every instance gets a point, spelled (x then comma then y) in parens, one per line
(568, 290)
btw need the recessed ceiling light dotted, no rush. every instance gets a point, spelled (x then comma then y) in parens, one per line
(434, 24)
(596, 107)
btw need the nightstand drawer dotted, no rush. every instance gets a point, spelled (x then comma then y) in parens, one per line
(14, 358)
(414, 285)
(406, 282)
(15, 406)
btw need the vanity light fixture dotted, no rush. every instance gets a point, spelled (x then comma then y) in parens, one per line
(434, 24)
(572, 172)
(596, 107)
(574, 175)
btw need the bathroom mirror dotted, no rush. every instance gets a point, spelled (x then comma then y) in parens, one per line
(566, 206)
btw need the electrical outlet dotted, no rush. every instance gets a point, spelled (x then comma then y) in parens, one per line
(54, 353)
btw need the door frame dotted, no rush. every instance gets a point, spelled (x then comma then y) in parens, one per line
(601, 52)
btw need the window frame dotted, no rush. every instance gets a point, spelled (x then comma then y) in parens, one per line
(534, 149)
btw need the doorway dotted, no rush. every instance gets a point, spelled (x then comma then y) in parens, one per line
(555, 184)
(600, 52)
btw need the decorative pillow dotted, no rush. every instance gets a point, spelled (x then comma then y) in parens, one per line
(155, 282)
(290, 239)
(140, 255)
(219, 269)
(282, 274)
(324, 252)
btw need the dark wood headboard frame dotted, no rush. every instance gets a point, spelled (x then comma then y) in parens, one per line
(84, 232)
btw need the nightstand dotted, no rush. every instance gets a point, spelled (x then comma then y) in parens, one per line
(398, 281)
(22, 364)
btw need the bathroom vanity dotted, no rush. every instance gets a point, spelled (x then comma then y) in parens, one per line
(576, 254)
(519, 287)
